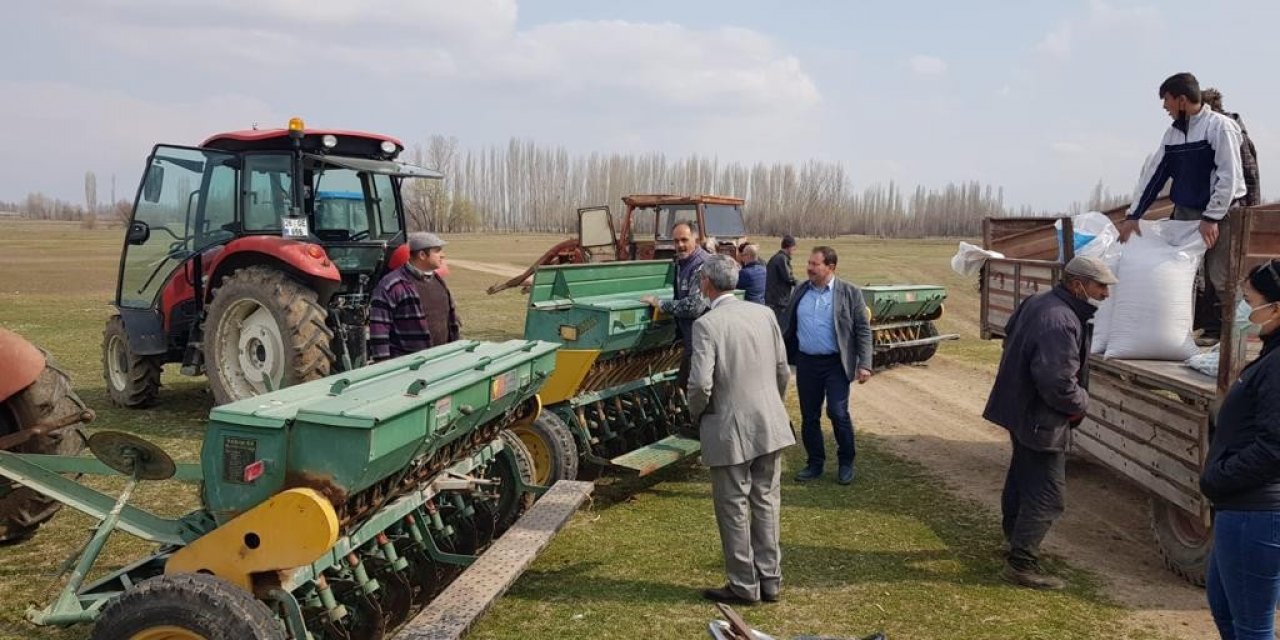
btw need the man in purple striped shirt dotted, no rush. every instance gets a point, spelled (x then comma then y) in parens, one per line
(412, 308)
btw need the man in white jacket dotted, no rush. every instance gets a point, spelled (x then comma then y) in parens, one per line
(1200, 153)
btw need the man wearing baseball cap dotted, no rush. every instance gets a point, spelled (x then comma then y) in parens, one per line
(1039, 396)
(412, 308)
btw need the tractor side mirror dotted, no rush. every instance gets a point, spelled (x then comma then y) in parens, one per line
(153, 183)
(139, 233)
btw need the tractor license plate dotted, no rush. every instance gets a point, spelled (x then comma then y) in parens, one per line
(293, 227)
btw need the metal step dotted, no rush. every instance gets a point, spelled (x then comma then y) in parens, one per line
(462, 603)
(666, 451)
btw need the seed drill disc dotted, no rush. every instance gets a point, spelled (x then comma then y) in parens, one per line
(131, 455)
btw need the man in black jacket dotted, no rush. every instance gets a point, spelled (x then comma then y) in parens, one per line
(779, 281)
(1039, 395)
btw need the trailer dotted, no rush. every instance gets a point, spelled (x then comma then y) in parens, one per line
(1149, 421)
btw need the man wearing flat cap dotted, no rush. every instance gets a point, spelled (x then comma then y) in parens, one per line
(412, 307)
(1039, 396)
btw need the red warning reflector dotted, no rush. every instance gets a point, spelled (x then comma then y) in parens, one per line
(254, 471)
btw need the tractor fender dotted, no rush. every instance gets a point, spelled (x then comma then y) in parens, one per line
(23, 363)
(306, 262)
(146, 331)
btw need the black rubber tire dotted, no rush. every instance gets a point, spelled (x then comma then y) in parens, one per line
(298, 317)
(922, 354)
(1183, 546)
(549, 440)
(142, 373)
(201, 604)
(510, 503)
(48, 399)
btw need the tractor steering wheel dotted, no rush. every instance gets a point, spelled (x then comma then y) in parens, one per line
(359, 235)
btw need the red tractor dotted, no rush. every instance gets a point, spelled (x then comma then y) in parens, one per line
(646, 231)
(252, 257)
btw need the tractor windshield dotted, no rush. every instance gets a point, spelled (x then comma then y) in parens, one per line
(724, 221)
(350, 205)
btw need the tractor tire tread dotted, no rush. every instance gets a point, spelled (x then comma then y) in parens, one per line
(143, 386)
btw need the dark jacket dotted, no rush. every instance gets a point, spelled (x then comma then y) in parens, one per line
(1038, 392)
(689, 303)
(751, 279)
(397, 319)
(779, 281)
(1248, 166)
(853, 329)
(1242, 470)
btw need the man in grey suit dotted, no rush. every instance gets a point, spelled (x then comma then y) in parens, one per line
(737, 377)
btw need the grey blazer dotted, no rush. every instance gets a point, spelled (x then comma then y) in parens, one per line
(853, 329)
(737, 376)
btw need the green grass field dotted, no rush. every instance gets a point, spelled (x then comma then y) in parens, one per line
(894, 552)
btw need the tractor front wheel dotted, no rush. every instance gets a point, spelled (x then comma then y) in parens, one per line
(264, 331)
(191, 606)
(133, 381)
(48, 399)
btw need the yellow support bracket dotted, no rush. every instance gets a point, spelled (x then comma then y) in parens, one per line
(291, 529)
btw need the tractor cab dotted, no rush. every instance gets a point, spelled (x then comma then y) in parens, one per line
(647, 224)
(302, 222)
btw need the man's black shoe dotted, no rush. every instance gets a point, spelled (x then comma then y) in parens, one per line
(809, 473)
(768, 596)
(846, 474)
(726, 595)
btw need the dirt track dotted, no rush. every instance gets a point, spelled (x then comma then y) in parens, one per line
(933, 414)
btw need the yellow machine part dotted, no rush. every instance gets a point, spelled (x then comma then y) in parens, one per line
(572, 366)
(291, 529)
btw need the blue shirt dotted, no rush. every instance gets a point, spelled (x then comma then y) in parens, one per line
(816, 321)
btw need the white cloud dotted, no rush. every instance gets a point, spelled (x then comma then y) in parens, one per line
(928, 65)
(1140, 23)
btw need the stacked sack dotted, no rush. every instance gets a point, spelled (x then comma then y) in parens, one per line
(1150, 312)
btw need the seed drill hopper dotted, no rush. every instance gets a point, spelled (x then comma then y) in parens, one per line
(902, 328)
(613, 400)
(333, 509)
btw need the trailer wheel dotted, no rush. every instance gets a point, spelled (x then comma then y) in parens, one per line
(49, 398)
(187, 607)
(1184, 540)
(554, 451)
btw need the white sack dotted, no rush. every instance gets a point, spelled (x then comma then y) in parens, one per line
(969, 259)
(1154, 304)
(1206, 363)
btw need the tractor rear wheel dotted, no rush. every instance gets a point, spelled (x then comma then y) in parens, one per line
(133, 381)
(49, 398)
(264, 331)
(554, 451)
(191, 606)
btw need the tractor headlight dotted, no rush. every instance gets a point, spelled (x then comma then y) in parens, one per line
(329, 141)
(388, 147)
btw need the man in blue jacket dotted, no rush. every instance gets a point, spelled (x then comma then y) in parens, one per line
(751, 277)
(688, 304)
(1039, 395)
(1200, 153)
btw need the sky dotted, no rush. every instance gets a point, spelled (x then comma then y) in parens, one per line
(1042, 98)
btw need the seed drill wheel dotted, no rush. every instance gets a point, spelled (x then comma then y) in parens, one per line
(133, 381)
(48, 399)
(511, 502)
(186, 607)
(1184, 540)
(554, 451)
(264, 331)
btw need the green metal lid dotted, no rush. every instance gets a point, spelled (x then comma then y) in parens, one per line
(380, 392)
